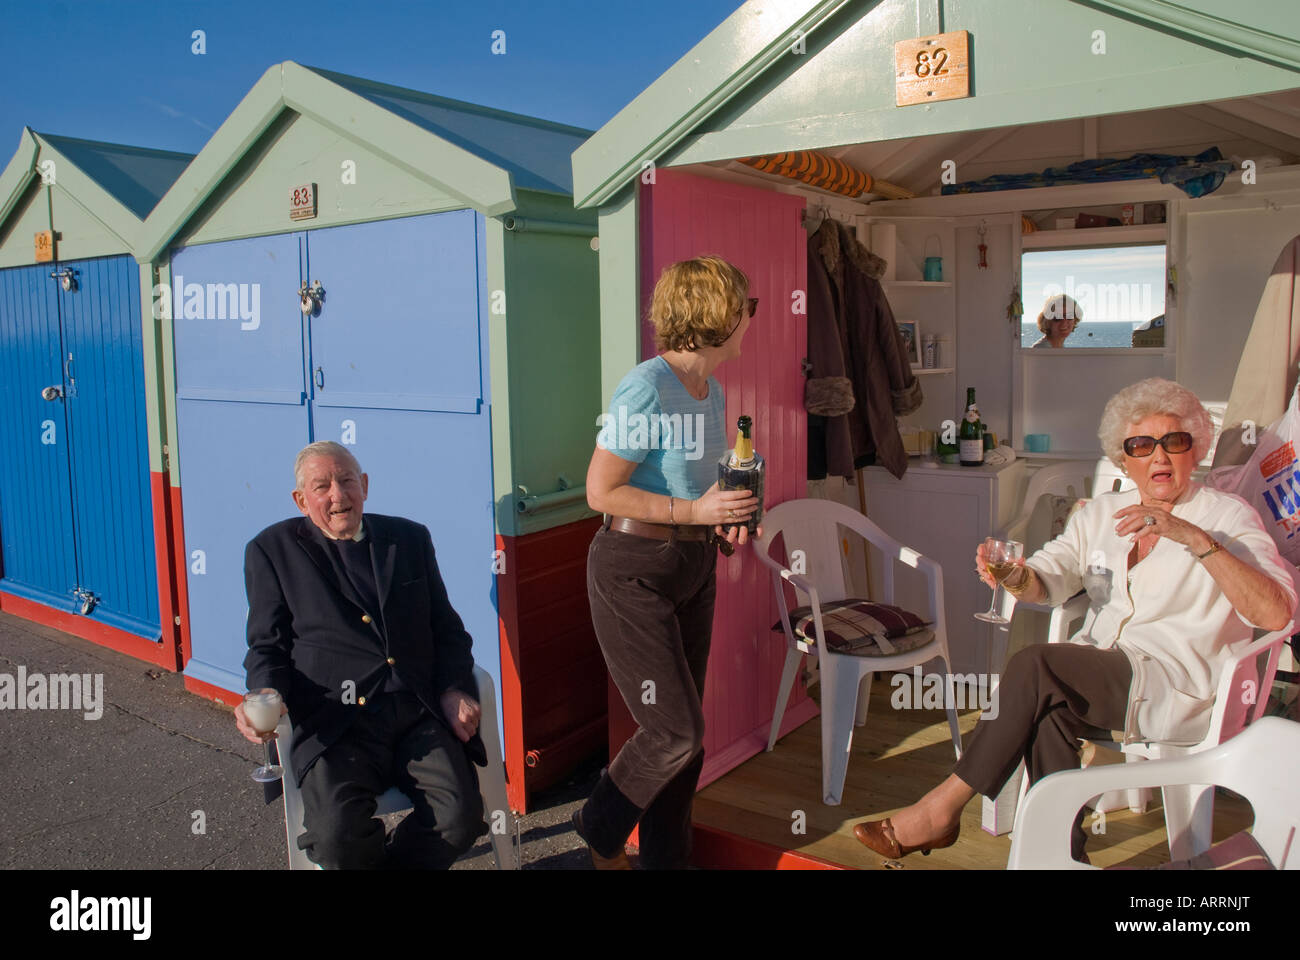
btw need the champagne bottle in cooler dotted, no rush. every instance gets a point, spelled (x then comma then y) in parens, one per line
(970, 439)
(742, 469)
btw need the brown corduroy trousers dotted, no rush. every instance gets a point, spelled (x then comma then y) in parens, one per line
(652, 608)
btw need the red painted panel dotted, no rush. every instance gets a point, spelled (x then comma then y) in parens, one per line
(683, 216)
(161, 654)
(180, 561)
(715, 849)
(552, 671)
(209, 692)
(166, 566)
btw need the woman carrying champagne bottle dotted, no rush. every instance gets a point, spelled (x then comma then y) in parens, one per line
(650, 569)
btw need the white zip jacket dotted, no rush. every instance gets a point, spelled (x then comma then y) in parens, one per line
(1169, 616)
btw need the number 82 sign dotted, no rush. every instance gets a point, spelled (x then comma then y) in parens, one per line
(932, 68)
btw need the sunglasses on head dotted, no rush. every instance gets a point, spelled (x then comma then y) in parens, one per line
(1178, 442)
(751, 306)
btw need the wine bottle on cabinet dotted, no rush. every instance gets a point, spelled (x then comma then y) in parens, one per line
(742, 469)
(970, 440)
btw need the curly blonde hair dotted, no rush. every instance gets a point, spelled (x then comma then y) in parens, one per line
(695, 303)
(1154, 397)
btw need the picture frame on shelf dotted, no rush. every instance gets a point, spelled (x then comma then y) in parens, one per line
(911, 335)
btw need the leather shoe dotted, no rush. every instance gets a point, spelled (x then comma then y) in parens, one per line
(617, 862)
(879, 836)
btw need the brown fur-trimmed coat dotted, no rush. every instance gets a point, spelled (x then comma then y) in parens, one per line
(860, 377)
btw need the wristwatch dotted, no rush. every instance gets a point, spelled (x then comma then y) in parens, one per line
(1215, 547)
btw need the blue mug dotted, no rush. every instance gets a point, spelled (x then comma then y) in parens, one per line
(1038, 442)
(934, 269)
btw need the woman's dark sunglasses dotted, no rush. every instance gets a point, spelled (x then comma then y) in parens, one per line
(1177, 442)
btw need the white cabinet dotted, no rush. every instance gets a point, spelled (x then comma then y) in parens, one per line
(944, 511)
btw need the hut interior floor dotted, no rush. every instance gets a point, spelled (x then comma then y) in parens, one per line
(896, 757)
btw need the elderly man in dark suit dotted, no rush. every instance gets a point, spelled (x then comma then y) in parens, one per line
(350, 622)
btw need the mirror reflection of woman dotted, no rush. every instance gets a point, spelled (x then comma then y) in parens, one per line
(1058, 319)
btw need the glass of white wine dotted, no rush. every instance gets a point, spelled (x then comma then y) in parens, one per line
(262, 708)
(1000, 556)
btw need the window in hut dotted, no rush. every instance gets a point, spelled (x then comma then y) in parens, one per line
(1119, 292)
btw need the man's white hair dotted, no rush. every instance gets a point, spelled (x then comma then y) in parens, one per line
(323, 448)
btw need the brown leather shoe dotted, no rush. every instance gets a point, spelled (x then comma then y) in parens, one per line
(617, 862)
(879, 836)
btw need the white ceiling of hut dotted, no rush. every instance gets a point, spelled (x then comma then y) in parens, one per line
(1255, 128)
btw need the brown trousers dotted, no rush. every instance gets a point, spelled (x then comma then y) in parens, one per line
(652, 607)
(1051, 697)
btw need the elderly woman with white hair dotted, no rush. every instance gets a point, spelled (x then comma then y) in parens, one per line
(1177, 573)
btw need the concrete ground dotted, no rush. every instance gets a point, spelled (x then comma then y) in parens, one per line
(161, 779)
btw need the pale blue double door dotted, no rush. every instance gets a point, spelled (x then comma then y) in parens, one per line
(394, 365)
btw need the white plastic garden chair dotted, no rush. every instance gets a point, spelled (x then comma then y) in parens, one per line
(811, 527)
(1262, 764)
(491, 780)
(1239, 701)
(1070, 478)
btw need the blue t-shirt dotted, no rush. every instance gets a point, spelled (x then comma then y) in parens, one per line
(677, 440)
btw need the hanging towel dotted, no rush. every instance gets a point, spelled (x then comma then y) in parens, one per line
(1266, 376)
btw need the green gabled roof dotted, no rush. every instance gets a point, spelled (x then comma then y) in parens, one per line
(759, 35)
(117, 184)
(536, 152)
(476, 154)
(136, 177)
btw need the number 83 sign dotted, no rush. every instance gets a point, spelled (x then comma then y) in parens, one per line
(932, 68)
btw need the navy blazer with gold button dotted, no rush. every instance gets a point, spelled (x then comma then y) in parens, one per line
(310, 638)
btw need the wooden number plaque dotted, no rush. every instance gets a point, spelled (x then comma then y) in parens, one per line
(44, 246)
(932, 68)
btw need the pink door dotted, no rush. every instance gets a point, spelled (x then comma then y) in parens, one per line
(760, 231)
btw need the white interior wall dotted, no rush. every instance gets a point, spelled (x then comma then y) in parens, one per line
(984, 336)
(1227, 258)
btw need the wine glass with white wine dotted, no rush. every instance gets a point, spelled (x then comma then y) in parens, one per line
(262, 708)
(1000, 556)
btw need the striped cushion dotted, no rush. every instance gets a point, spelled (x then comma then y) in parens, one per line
(862, 628)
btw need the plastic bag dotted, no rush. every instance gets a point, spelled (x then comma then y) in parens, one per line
(1270, 480)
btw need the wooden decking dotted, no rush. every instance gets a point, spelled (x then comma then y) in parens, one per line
(898, 756)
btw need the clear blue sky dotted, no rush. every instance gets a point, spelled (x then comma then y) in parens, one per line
(123, 70)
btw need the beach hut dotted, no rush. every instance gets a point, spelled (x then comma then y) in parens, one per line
(406, 275)
(891, 117)
(83, 517)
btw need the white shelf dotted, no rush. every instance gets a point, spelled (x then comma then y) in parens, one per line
(1095, 236)
(922, 371)
(916, 283)
(1089, 455)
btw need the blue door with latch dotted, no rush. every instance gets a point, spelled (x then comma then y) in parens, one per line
(391, 362)
(76, 515)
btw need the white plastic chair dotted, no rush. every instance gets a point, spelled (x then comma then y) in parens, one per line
(491, 779)
(1239, 701)
(1070, 478)
(811, 526)
(1262, 764)
(1104, 476)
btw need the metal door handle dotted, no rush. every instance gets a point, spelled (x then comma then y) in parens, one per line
(320, 377)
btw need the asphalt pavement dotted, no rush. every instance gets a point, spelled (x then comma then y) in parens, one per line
(161, 779)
